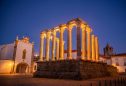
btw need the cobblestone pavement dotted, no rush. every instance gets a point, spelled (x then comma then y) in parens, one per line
(28, 80)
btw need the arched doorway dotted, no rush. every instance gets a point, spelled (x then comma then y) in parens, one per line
(22, 68)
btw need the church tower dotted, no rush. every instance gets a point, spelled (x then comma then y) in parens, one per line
(23, 53)
(108, 51)
(17, 57)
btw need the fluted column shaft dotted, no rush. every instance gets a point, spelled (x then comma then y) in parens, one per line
(53, 45)
(41, 48)
(97, 48)
(78, 42)
(83, 56)
(57, 49)
(47, 46)
(69, 45)
(61, 45)
(93, 47)
(88, 45)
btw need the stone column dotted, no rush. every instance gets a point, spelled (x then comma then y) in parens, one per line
(47, 45)
(78, 42)
(97, 48)
(41, 47)
(61, 56)
(53, 45)
(57, 49)
(69, 43)
(83, 56)
(88, 43)
(63, 49)
(93, 47)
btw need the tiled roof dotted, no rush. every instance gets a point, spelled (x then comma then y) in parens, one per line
(120, 54)
(105, 57)
(65, 51)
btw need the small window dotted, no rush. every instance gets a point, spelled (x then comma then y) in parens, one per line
(117, 64)
(24, 54)
(124, 63)
(35, 67)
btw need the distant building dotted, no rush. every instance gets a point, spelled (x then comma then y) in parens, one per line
(108, 51)
(117, 60)
(17, 57)
(74, 54)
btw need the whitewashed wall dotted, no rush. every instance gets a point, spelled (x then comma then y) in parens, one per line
(19, 52)
(120, 60)
(6, 51)
(6, 66)
(74, 55)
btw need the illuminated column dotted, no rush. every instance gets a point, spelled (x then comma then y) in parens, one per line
(57, 49)
(47, 45)
(88, 43)
(41, 47)
(83, 56)
(69, 44)
(63, 48)
(53, 45)
(78, 42)
(93, 47)
(97, 48)
(61, 56)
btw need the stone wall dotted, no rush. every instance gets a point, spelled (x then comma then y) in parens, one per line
(6, 66)
(74, 69)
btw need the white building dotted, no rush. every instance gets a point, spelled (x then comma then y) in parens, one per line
(117, 60)
(104, 59)
(74, 54)
(16, 57)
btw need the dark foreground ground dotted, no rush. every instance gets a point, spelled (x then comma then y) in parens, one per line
(27, 80)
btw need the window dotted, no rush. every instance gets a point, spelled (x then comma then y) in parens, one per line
(35, 67)
(117, 64)
(124, 61)
(24, 54)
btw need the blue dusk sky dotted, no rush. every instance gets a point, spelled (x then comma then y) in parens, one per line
(107, 18)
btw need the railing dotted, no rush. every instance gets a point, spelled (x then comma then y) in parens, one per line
(120, 81)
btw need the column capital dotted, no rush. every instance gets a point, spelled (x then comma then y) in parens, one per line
(48, 33)
(69, 28)
(62, 27)
(42, 35)
(54, 31)
(83, 26)
(88, 29)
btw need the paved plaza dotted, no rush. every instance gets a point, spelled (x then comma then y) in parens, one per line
(28, 80)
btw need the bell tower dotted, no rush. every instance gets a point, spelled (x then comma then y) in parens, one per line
(108, 50)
